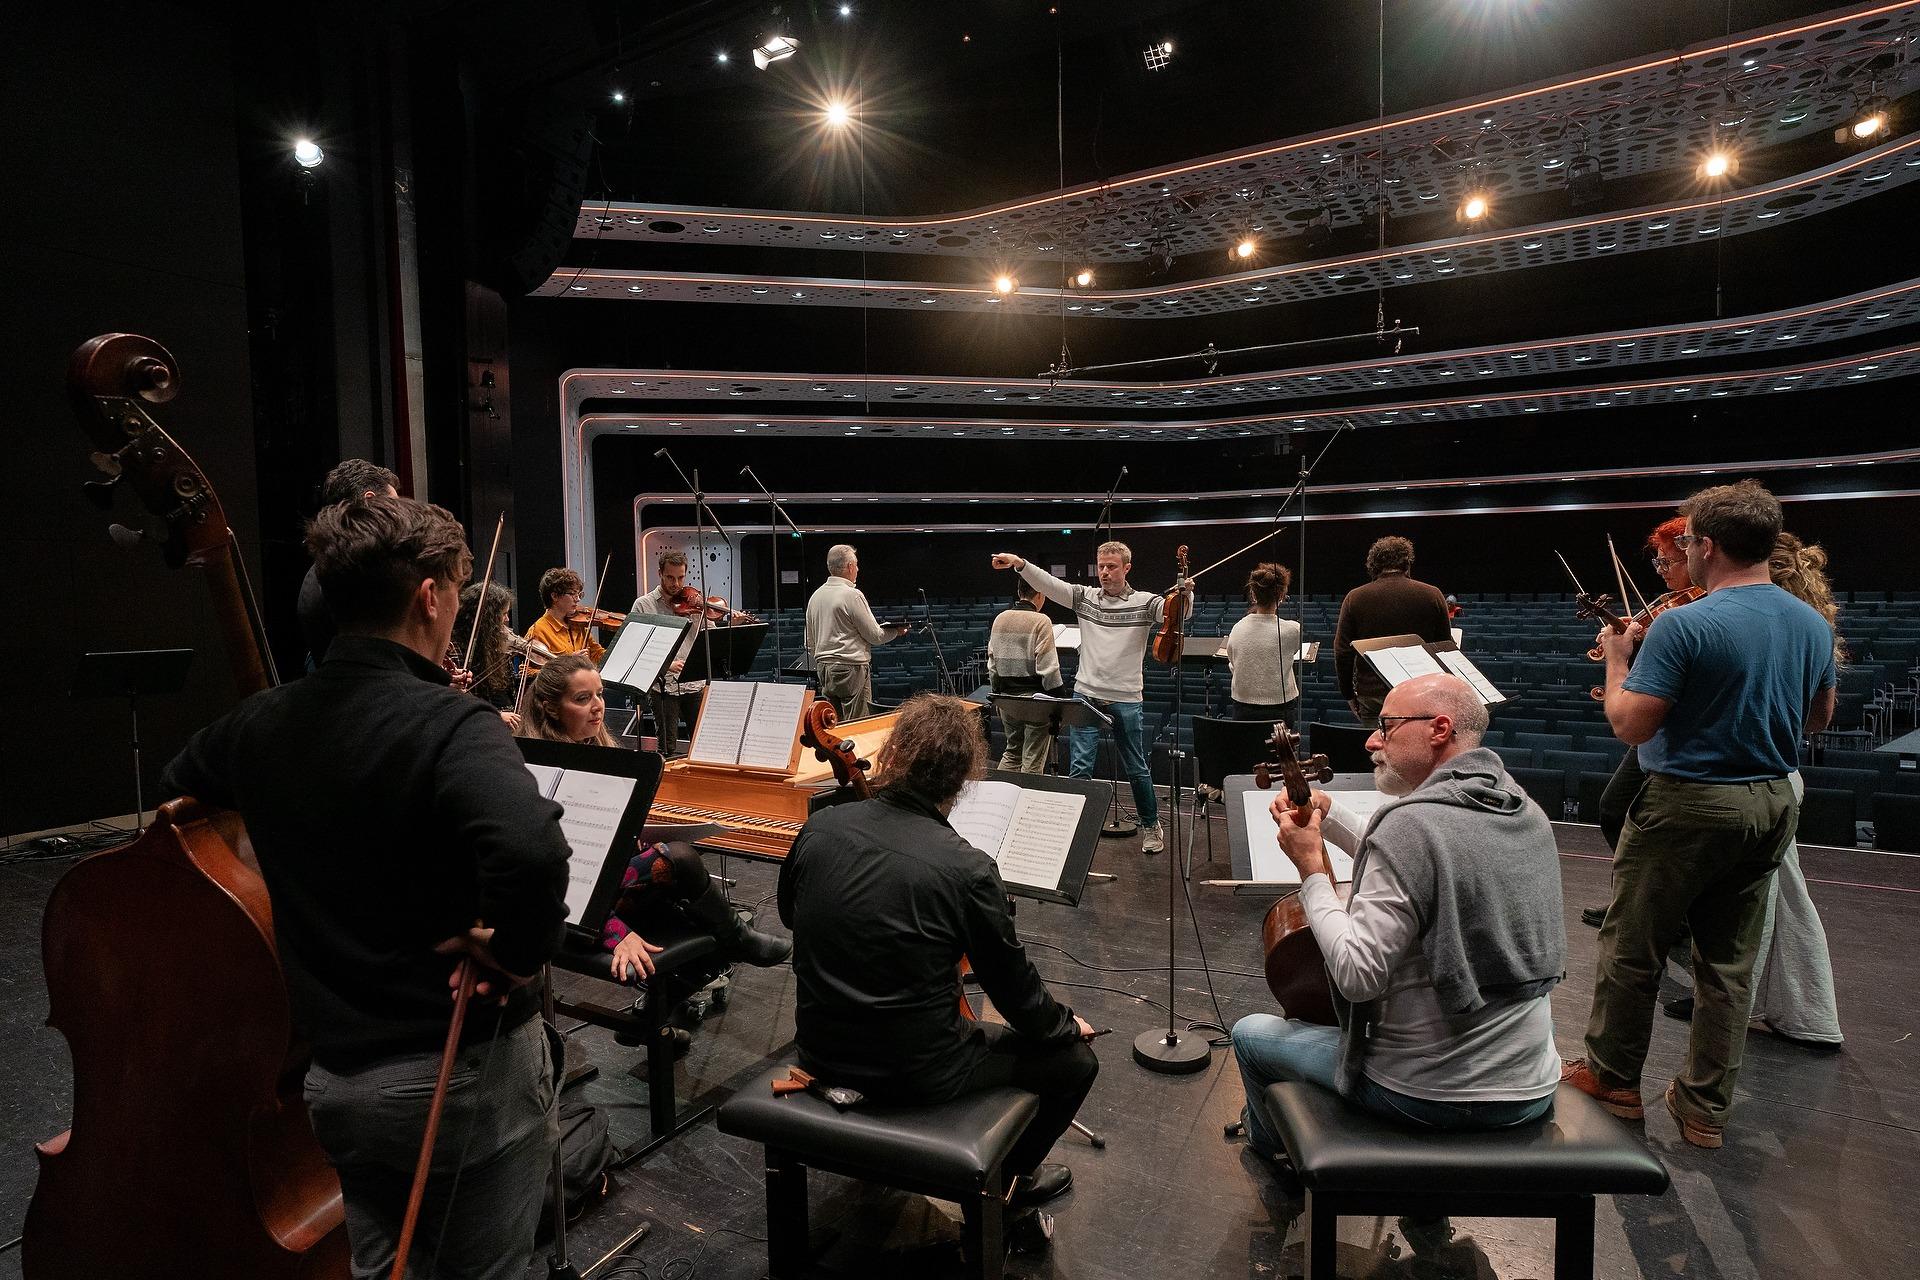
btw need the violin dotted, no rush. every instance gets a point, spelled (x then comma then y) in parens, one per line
(1295, 967)
(1175, 608)
(687, 602)
(585, 617)
(1643, 619)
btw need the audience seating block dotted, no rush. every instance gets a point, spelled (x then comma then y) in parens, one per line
(1352, 1163)
(950, 1150)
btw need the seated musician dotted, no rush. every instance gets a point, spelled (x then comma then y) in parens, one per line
(560, 592)
(884, 899)
(1442, 959)
(663, 883)
(494, 665)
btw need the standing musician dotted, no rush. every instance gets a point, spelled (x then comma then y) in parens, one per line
(1394, 603)
(1717, 702)
(884, 900)
(1443, 958)
(352, 478)
(494, 665)
(398, 830)
(675, 704)
(566, 703)
(841, 632)
(1116, 625)
(1021, 658)
(560, 593)
(1260, 651)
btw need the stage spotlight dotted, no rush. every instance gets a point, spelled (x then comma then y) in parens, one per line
(1157, 56)
(1720, 163)
(307, 153)
(846, 11)
(838, 114)
(1245, 249)
(1317, 237)
(1004, 284)
(1872, 124)
(721, 57)
(1583, 183)
(776, 49)
(1474, 208)
(1083, 278)
(618, 97)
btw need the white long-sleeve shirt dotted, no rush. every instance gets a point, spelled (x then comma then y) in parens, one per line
(1501, 1052)
(1114, 633)
(841, 625)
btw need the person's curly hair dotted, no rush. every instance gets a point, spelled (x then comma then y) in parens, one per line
(936, 748)
(1800, 570)
(1661, 540)
(492, 669)
(1389, 554)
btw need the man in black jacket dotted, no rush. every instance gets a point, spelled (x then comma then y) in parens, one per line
(1393, 604)
(398, 829)
(883, 899)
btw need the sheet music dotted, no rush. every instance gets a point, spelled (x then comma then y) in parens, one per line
(773, 725)
(1462, 666)
(723, 723)
(1039, 838)
(1309, 652)
(983, 813)
(1270, 865)
(1457, 633)
(546, 777)
(1065, 637)
(642, 650)
(1403, 662)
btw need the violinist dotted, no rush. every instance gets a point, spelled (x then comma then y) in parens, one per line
(566, 703)
(1260, 651)
(1442, 958)
(494, 664)
(676, 704)
(1116, 625)
(560, 593)
(398, 830)
(841, 632)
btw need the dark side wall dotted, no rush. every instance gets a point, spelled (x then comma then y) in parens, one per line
(123, 214)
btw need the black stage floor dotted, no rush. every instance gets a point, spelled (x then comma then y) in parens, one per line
(1814, 1180)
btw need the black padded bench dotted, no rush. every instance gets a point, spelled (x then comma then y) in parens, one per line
(949, 1151)
(1354, 1163)
(688, 962)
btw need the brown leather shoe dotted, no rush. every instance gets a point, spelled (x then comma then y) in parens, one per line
(1624, 1103)
(1698, 1132)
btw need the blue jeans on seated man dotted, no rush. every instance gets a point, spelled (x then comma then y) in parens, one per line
(1130, 742)
(1271, 1049)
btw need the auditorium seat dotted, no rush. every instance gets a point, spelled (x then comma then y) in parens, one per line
(1573, 764)
(1588, 789)
(1827, 816)
(1517, 757)
(1548, 787)
(1896, 822)
(1542, 741)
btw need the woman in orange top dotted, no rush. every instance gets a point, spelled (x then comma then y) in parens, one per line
(560, 591)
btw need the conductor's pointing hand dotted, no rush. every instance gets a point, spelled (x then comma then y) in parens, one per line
(1007, 560)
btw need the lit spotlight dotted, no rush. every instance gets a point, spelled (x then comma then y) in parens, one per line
(1719, 164)
(618, 97)
(1004, 284)
(846, 11)
(1474, 208)
(1872, 124)
(1083, 278)
(838, 114)
(721, 57)
(1245, 249)
(776, 49)
(307, 153)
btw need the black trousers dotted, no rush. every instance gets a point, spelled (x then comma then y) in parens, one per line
(672, 711)
(1277, 712)
(1060, 1074)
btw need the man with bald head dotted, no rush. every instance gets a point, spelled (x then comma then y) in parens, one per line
(1442, 958)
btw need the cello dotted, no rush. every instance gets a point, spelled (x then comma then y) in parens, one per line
(189, 1151)
(1295, 968)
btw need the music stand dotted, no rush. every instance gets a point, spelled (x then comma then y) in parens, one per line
(1066, 713)
(132, 674)
(731, 650)
(1203, 652)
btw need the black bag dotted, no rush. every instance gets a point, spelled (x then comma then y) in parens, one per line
(586, 1157)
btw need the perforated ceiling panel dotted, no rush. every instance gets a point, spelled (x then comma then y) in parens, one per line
(1569, 240)
(1873, 366)
(1644, 115)
(1857, 317)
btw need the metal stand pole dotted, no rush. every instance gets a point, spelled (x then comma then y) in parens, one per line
(558, 1268)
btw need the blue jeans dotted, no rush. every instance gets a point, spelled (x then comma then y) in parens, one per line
(1130, 741)
(1270, 1049)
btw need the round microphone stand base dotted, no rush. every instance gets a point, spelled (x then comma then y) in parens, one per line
(1171, 1054)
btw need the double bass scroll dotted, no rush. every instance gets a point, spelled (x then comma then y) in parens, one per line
(1296, 970)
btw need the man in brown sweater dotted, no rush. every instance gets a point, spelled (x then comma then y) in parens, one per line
(1393, 604)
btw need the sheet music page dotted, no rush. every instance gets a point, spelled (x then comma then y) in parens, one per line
(773, 724)
(546, 777)
(723, 722)
(592, 805)
(1309, 652)
(1457, 633)
(1462, 666)
(1270, 865)
(1403, 662)
(641, 652)
(983, 813)
(1065, 637)
(1040, 837)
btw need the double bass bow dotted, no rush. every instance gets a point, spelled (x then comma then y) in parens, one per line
(1296, 970)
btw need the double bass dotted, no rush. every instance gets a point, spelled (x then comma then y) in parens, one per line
(189, 1151)
(1296, 970)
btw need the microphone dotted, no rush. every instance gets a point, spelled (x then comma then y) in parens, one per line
(659, 453)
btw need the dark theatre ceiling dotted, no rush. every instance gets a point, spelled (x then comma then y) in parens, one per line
(749, 282)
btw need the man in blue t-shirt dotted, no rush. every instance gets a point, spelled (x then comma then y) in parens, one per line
(1717, 703)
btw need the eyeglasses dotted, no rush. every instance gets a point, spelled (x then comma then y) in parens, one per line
(1386, 728)
(1685, 540)
(1661, 564)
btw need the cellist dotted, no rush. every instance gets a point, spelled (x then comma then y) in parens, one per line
(398, 831)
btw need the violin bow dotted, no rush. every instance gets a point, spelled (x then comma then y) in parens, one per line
(600, 584)
(1571, 574)
(1620, 578)
(486, 580)
(468, 976)
(1644, 606)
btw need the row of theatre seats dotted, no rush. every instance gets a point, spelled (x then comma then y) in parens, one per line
(1550, 732)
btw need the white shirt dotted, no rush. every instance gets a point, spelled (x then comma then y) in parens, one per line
(840, 625)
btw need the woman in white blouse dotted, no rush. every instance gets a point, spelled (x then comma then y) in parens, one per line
(1260, 650)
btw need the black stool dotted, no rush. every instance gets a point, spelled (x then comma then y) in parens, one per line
(949, 1150)
(688, 962)
(1354, 1163)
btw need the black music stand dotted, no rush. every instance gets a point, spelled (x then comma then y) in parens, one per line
(132, 674)
(1204, 652)
(1069, 713)
(731, 650)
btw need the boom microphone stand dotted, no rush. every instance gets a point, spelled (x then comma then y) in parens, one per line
(702, 514)
(939, 655)
(775, 514)
(1105, 522)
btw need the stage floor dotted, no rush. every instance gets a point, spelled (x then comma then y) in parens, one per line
(1819, 1164)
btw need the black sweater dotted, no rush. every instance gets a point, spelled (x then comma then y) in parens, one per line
(883, 899)
(388, 812)
(1391, 605)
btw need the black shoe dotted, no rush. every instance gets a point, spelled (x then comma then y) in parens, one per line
(1593, 917)
(1680, 1008)
(1048, 1182)
(1029, 1232)
(712, 912)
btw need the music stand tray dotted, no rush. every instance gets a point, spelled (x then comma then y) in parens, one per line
(1086, 834)
(131, 673)
(734, 649)
(644, 768)
(1241, 854)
